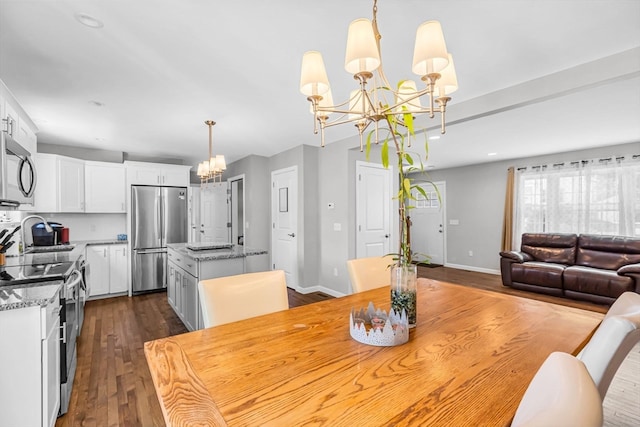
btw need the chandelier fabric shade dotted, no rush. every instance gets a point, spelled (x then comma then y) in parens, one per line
(313, 78)
(362, 50)
(211, 170)
(369, 105)
(430, 51)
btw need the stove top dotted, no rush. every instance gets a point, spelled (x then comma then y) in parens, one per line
(20, 274)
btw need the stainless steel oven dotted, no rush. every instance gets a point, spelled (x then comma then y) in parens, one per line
(71, 320)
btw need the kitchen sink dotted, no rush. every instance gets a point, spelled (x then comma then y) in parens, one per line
(45, 249)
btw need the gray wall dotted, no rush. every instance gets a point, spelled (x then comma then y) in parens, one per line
(257, 202)
(475, 197)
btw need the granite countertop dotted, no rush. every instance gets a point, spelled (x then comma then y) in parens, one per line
(28, 295)
(21, 295)
(236, 251)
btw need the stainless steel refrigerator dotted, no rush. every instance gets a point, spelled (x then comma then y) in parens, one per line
(158, 217)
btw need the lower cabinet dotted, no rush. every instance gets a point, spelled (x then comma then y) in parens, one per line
(182, 293)
(182, 287)
(107, 269)
(30, 357)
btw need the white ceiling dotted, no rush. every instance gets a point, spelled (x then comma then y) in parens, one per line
(161, 68)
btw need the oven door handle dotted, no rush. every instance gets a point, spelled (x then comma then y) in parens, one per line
(73, 283)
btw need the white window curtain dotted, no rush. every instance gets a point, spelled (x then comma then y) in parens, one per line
(599, 196)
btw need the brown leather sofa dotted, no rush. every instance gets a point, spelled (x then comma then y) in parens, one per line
(587, 267)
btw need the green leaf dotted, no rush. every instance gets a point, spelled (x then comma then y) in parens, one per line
(368, 149)
(384, 154)
(408, 158)
(408, 122)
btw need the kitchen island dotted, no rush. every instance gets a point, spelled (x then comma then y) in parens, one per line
(186, 267)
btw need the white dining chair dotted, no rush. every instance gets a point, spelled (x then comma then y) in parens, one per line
(370, 273)
(232, 298)
(618, 333)
(561, 393)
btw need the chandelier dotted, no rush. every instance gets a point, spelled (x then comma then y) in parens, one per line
(366, 107)
(211, 170)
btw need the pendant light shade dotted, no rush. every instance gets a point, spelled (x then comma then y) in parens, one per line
(430, 51)
(406, 91)
(448, 82)
(313, 77)
(362, 51)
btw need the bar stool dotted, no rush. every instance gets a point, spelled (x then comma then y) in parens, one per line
(232, 298)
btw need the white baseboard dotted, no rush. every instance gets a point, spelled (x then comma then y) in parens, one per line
(471, 268)
(322, 289)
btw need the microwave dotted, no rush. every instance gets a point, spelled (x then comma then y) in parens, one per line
(17, 173)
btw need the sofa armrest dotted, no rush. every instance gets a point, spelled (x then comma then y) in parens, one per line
(633, 271)
(516, 256)
(629, 269)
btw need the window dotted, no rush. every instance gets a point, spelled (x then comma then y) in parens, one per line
(584, 197)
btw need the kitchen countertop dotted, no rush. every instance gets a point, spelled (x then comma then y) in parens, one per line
(21, 295)
(236, 251)
(28, 295)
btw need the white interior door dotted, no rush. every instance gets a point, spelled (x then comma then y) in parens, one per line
(373, 210)
(428, 225)
(213, 213)
(284, 215)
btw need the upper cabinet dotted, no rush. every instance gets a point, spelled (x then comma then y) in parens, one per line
(104, 187)
(16, 122)
(141, 173)
(60, 185)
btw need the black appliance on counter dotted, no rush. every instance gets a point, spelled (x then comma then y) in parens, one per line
(41, 237)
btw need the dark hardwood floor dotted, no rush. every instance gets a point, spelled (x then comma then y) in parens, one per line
(113, 386)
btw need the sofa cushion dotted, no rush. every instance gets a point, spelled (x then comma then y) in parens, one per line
(596, 281)
(543, 274)
(607, 252)
(557, 248)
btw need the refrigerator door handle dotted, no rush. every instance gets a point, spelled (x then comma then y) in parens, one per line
(150, 251)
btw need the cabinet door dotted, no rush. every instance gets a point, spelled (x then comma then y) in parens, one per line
(70, 185)
(104, 187)
(11, 121)
(190, 301)
(118, 269)
(51, 371)
(141, 175)
(176, 177)
(98, 270)
(171, 285)
(46, 195)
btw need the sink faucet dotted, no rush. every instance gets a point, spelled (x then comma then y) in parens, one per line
(47, 227)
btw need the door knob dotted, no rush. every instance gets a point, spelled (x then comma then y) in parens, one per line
(386, 236)
(292, 234)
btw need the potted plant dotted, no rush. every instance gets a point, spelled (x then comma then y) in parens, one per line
(400, 131)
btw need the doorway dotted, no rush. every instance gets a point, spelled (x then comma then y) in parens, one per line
(236, 209)
(284, 218)
(428, 224)
(373, 209)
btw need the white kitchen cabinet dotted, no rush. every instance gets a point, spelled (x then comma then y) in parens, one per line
(141, 173)
(30, 386)
(104, 187)
(107, 270)
(71, 184)
(60, 185)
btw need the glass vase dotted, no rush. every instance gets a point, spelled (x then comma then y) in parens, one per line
(404, 291)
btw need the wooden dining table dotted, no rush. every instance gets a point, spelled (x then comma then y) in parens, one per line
(467, 363)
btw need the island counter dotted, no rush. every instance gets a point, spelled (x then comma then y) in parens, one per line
(187, 267)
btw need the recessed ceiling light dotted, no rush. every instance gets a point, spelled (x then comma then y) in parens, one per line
(88, 20)
(96, 103)
(492, 154)
(431, 167)
(434, 137)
